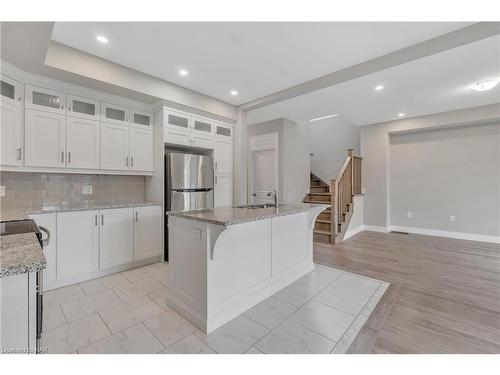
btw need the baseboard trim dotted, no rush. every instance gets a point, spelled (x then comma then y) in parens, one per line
(447, 234)
(374, 228)
(354, 231)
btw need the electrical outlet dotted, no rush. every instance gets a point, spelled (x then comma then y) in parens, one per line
(452, 217)
(409, 215)
(86, 189)
(2, 191)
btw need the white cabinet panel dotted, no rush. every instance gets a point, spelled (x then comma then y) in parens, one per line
(202, 141)
(83, 107)
(45, 99)
(141, 149)
(223, 190)
(114, 114)
(11, 133)
(77, 243)
(49, 221)
(223, 131)
(114, 146)
(45, 139)
(147, 232)
(116, 237)
(142, 119)
(176, 137)
(177, 120)
(202, 126)
(83, 143)
(223, 156)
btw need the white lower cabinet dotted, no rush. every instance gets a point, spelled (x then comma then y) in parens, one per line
(77, 244)
(18, 313)
(223, 190)
(116, 237)
(147, 232)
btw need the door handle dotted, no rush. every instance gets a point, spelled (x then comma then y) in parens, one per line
(126, 161)
(131, 161)
(62, 157)
(136, 216)
(69, 157)
(102, 219)
(45, 241)
(96, 220)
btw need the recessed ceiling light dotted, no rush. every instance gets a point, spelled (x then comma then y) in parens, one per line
(379, 87)
(234, 92)
(323, 117)
(485, 85)
(183, 72)
(102, 39)
(401, 114)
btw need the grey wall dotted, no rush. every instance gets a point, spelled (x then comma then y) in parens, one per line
(375, 149)
(438, 173)
(293, 157)
(328, 141)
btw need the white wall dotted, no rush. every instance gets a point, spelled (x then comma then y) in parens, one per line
(328, 141)
(452, 171)
(375, 149)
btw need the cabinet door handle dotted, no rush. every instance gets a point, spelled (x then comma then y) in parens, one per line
(69, 109)
(19, 99)
(131, 161)
(62, 157)
(18, 153)
(136, 216)
(215, 165)
(69, 157)
(96, 220)
(102, 219)
(126, 161)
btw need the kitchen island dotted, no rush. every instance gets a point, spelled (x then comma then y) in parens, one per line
(226, 260)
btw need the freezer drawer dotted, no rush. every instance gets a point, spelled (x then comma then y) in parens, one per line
(195, 200)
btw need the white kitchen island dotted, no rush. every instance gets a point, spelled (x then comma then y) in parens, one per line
(226, 260)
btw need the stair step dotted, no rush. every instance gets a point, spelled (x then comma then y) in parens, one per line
(322, 236)
(315, 202)
(323, 221)
(328, 194)
(318, 189)
(325, 232)
(323, 225)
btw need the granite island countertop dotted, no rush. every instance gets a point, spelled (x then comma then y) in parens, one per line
(23, 213)
(227, 216)
(20, 253)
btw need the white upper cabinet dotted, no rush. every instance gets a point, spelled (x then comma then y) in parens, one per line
(77, 243)
(114, 114)
(83, 143)
(223, 156)
(11, 130)
(142, 119)
(223, 131)
(177, 120)
(45, 139)
(114, 147)
(141, 149)
(116, 237)
(45, 100)
(202, 126)
(147, 232)
(83, 107)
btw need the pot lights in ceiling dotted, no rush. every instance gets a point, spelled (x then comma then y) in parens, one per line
(102, 39)
(183, 72)
(485, 85)
(323, 117)
(234, 92)
(379, 87)
(401, 114)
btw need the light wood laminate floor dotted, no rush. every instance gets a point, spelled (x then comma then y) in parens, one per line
(444, 295)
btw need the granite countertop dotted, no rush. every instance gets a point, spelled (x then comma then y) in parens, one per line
(20, 213)
(227, 216)
(20, 253)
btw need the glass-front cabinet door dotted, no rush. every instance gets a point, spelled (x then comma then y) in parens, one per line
(45, 99)
(177, 120)
(113, 113)
(11, 91)
(139, 118)
(83, 107)
(202, 126)
(223, 131)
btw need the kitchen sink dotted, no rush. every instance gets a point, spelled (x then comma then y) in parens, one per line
(255, 206)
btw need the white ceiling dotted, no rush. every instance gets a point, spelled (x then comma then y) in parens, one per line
(437, 83)
(256, 59)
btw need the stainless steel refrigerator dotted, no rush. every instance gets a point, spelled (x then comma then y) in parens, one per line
(189, 184)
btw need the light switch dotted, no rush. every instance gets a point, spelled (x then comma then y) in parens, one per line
(452, 217)
(86, 189)
(2, 191)
(409, 215)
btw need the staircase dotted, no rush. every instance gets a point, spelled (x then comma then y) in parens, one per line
(331, 224)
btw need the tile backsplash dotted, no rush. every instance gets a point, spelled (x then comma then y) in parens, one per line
(36, 190)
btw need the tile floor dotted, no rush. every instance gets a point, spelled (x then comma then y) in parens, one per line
(127, 313)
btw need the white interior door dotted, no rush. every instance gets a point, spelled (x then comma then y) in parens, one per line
(263, 171)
